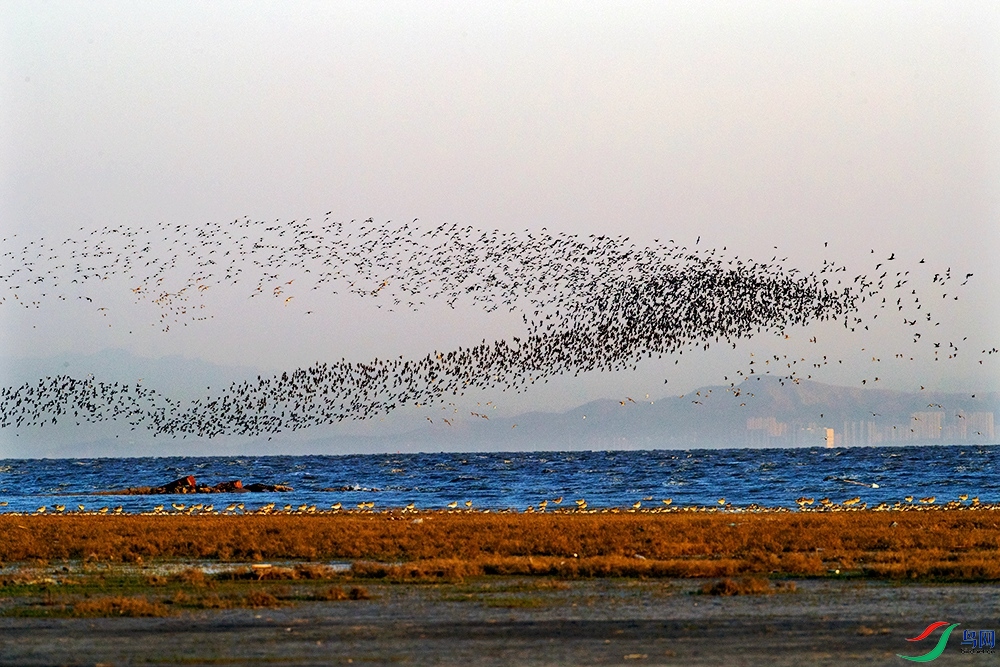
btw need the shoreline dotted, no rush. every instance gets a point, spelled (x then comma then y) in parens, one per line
(169, 507)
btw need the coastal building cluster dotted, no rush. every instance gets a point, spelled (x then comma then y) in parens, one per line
(957, 427)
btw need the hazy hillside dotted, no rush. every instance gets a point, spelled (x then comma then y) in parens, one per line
(174, 376)
(763, 411)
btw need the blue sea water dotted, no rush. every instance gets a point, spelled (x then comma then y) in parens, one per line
(498, 480)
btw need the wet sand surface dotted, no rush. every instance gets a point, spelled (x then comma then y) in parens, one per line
(513, 621)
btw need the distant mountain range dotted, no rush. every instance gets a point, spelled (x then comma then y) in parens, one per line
(761, 412)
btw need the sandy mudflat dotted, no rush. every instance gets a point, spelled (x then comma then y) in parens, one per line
(506, 621)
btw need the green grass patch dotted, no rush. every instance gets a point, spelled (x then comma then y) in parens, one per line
(516, 602)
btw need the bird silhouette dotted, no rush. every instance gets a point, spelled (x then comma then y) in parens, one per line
(595, 303)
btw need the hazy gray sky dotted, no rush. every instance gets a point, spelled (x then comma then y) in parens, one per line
(870, 125)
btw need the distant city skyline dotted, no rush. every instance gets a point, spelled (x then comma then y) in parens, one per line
(937, 427)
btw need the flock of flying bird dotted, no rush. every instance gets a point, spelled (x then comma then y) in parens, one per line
(587, 303)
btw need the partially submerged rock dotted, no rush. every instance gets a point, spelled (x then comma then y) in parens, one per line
(182, 485)
(188, 484)
(281, 488)
(234, 486)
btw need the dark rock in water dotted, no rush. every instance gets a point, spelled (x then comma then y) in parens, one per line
(189, 485)
(182, 485)
(234, 486)
(269, 487)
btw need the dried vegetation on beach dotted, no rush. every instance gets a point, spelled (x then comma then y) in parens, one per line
(955, 546)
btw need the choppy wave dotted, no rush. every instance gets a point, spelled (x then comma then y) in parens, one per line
(498, 480)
